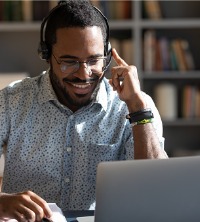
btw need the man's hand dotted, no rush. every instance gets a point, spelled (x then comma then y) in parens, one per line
(25, 206)
(125, 81)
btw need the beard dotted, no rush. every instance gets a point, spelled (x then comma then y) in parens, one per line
(79, 100)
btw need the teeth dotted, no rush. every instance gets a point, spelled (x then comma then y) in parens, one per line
(82, 86)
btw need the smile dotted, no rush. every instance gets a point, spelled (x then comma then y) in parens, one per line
(81, 86)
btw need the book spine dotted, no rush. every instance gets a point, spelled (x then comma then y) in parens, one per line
(152, 9)
(188, 54)
(16, 11)
(149, 50)
(179, 53)
(165, 54)
(7, 11)
(27, 10)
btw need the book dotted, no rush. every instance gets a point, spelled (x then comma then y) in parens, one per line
(27, 10)
(127, 54)
(173, 59)
(179, 54)
(188, 101)
(1, 10)
(16, 10)
(158, 60)
(188, 54)
(149, 47)
(121, 9)
(164, 53)
(152, 9)
(7, 11)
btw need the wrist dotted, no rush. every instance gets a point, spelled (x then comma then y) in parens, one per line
(136, 104)
(142, 116)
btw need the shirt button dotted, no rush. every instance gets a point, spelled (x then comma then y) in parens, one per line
(67, 180)
(68, 149)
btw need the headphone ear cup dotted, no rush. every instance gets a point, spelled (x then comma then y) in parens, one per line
(43, 51)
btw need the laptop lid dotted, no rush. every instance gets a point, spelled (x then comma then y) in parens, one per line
(166, 190)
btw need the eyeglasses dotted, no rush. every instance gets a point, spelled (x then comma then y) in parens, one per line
(94, 65)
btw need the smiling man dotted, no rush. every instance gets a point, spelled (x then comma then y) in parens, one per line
(76, 83)
(59, 125)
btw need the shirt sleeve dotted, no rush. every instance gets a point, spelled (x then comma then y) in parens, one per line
(4, 126)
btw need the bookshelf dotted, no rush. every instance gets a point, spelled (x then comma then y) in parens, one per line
(19, 42)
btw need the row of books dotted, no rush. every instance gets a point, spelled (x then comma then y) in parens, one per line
(25, 10)
(114, 9)
(173, 103)
(163, 54)
(34, 10)
(125, 49)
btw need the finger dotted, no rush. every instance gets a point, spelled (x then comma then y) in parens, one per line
(42, 203)
(28, 214)
(118, 59)
(20, 217)
(118, 75)
(35, 203)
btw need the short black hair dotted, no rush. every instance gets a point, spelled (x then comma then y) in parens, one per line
(73, 13)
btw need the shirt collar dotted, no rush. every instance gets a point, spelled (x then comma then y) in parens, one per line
(46, 92)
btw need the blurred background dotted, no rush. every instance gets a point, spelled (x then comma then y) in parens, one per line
(161, 38)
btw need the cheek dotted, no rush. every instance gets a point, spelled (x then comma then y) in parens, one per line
(55, 70)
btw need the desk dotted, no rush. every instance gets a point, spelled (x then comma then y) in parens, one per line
(71, 215)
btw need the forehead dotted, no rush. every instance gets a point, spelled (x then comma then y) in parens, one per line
(79, 39)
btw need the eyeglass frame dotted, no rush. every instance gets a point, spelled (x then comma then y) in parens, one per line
(79, 62)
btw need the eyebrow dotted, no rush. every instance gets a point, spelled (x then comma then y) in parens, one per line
(74, 57)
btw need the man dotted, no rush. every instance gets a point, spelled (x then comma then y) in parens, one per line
(58, 126)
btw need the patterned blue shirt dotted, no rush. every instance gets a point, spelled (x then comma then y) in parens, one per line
(53, 151)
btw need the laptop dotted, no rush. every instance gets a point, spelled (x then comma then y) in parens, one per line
(165, 190)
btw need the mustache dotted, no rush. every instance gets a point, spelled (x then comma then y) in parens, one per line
(77, 80)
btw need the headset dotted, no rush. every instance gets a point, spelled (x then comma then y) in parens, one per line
(43, 50)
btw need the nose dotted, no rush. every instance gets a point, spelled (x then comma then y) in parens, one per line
(83, 72)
